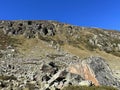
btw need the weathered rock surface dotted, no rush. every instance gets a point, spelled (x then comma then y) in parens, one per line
(93, 38)
(96, 70)
(85, 83)
(29, 29)
(47, 75)
(35, 73)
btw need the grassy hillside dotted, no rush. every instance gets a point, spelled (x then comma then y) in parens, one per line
(37, 38)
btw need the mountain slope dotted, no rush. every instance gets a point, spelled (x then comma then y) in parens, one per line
(80, 41)
(44, 41)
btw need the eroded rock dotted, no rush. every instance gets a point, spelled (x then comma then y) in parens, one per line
(95, 69)
(85, 83)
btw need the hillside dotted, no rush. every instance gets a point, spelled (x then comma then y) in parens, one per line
(80, 41)
(58, 42)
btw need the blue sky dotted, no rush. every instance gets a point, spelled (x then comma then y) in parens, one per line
(90, 13)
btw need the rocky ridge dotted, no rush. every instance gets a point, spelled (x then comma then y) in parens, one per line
(91, 38)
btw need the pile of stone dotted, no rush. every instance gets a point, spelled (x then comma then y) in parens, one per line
(57, 79)
(35, 74)
(29, 29)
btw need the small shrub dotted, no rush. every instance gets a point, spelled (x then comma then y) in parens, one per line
(115, 53)
(6, 40)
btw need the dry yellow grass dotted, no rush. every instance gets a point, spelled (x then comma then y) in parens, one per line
(112, 60)
(36, 48)
(33, 48)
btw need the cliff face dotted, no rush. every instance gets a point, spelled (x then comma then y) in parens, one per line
(96, 70)
(54, 53)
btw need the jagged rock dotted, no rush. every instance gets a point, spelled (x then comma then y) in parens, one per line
(73, 79)
(28, 28)
(96, 70)
(61, 84)
(49, 68)
(76, 69)
(101, 71)
(46, 87)
(59, 76)
(52, 88)
(118, 47)
(85, 83)
(91, 42)
(93, 69)
(45, 78)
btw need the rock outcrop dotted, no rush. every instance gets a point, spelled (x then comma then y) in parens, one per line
(29, 29)
(47, 75)
(95, 69)
(54, 68)
(91, 38)
(85, 83)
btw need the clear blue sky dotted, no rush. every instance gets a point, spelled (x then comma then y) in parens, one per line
(91, 13)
